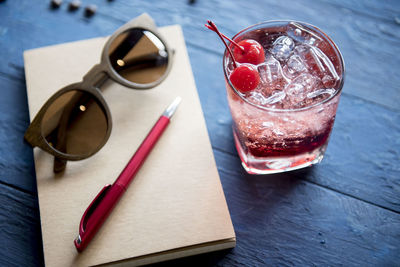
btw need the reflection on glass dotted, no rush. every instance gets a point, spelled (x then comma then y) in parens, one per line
(75, 123)
(138, 56)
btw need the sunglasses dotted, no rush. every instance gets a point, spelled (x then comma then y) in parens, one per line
(75, 122)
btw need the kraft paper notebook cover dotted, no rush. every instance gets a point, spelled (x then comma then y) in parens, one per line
(174, 207)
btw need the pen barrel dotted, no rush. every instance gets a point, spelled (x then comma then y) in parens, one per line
(99, 215)
(103, 204)
(142, 152)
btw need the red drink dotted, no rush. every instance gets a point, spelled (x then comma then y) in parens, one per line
(285, 122)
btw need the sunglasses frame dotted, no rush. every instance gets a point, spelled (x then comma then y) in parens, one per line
(91, 84)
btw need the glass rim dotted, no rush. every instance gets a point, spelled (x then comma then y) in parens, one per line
(337, 91)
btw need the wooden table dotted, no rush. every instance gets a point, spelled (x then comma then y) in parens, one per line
(344, 211)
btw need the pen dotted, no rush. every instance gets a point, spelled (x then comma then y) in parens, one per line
(108, 197)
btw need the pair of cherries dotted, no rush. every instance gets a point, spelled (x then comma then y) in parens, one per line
(250, 53)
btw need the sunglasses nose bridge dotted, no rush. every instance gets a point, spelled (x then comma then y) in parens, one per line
(95, 77)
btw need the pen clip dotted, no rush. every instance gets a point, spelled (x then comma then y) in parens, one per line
(92, 207)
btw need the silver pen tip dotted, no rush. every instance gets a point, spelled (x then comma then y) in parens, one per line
(172, 108)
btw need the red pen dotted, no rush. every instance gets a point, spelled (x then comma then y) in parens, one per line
(105, 201)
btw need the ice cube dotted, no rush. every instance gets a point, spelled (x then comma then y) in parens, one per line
(272, 76)
(282, 48)
(311, 41)
(317, 96)
(318, 64)
(294, 66)
(302, 34)
(256, 97)
(329, 81)
(259, 98)
(299, 88)
(321, 92)
(263, 71)
(275, 97)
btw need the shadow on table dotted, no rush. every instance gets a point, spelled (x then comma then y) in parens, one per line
(254, 195)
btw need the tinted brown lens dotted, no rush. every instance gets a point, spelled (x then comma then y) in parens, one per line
(139, 56)
(75, 123)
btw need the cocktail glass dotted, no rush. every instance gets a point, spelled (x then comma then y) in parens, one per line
(273, 130)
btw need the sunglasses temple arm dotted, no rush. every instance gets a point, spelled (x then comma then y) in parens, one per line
(59, 165)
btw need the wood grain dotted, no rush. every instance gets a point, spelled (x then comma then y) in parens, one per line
(344, 211)
(284, 221)
(284, 211)
(21, 240)
(16, 158)
(365, 38)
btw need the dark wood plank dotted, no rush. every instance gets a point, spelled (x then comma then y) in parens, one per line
(20, 235)
(358, 35)
(301, 224)
(283, 221)
(344, 211)
(16, 159)
(360, 30)
(364, 154)
(382, 10)
(25, 26)
(279, 220)
(369, 46)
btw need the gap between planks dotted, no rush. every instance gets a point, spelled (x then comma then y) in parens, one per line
(312, 183)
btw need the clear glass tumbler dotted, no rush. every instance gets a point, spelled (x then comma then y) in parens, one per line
(285, 123)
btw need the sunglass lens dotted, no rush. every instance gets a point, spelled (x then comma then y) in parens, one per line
(139, 56)
(75, 123)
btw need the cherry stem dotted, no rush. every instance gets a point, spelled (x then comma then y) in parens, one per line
(226, 37)
(215, 29)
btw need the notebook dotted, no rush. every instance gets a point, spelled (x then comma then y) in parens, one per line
(174, 207)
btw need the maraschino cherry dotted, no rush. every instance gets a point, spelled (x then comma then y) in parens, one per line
(246, 51)
(244, 77)
(252, 52)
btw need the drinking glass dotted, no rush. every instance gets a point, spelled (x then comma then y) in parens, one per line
(279, 136)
